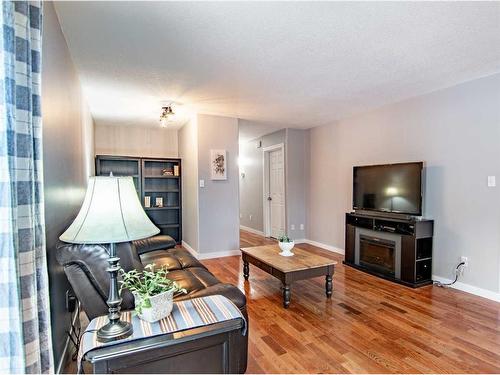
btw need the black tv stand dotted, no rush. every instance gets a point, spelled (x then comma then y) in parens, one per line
(394, 248)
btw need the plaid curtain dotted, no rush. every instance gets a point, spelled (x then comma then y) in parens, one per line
(25, 339)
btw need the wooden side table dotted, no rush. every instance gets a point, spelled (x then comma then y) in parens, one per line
(208, 349)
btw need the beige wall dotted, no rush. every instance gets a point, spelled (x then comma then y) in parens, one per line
(218, 200)
(68, 158)
(456, 132)
(188, 152)
(136, 141)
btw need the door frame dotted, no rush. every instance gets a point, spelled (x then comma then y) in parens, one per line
(265, 186)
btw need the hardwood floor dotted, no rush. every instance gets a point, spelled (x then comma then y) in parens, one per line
(369, 326)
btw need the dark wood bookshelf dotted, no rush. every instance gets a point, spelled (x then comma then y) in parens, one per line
(120, 166)
(161, 176)
(161, 208)
(151, 180)
(161, 190)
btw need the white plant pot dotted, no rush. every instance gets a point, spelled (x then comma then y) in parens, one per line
(286, 248)
(161, 306)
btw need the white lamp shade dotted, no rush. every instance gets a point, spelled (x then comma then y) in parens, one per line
(111, 212)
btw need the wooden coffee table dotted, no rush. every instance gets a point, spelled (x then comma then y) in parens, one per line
(303, 265)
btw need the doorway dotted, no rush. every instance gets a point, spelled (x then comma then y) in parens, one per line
(274, 191)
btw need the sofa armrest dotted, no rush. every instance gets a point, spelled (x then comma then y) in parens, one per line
(160, 242)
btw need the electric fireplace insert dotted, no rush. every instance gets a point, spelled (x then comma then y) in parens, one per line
(377, 254)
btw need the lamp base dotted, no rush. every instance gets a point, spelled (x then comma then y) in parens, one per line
(114, 331)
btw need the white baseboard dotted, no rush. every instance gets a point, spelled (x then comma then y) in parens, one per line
(251, 230)
(488, 294)
(324, 246)
(494, 296)
(190, 249)
(210, 255)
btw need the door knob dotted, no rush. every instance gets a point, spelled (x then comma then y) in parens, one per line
(269, 198)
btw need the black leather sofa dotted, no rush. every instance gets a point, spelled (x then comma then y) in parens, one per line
(85, 266)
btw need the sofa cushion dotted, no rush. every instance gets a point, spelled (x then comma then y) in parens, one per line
(173, 259)
(160, 242)
(205, 276)
(162, 258)
(192, 275)
(186, 279)
(185, 258)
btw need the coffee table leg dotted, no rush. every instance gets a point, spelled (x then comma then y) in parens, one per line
(286, 295)
(328, 286)
(246, 270)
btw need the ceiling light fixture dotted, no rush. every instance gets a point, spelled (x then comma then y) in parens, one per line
(166, 114)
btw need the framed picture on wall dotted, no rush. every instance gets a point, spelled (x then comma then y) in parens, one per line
(218, 164)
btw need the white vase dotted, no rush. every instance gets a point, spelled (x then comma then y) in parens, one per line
(161, 306)
(286, 248)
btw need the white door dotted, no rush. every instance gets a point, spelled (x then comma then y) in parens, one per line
(276, 196)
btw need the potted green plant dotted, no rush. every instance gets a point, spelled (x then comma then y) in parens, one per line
(286, 245)
(153, 291)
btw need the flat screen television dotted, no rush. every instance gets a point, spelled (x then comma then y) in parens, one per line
(395, 188)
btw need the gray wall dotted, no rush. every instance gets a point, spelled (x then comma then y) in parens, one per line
(251, 186)
(297, 181)
(296, 143)
(188, 152)
(68, 158)
(456, 132)
(218, 200)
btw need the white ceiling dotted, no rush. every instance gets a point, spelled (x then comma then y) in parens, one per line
(295, 63)
(249, 130)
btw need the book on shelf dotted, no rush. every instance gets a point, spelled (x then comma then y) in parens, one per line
(159, 202)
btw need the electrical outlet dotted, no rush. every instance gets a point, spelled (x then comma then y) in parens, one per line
(241, 216)
(465, 260)
(301, 226)
(292, 227)
(492, 181)
(70, 301)
(250, 217)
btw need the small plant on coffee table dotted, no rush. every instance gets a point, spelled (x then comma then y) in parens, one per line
(286, 245)
(284, 238)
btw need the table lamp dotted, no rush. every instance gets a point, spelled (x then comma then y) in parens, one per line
(111, 213)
